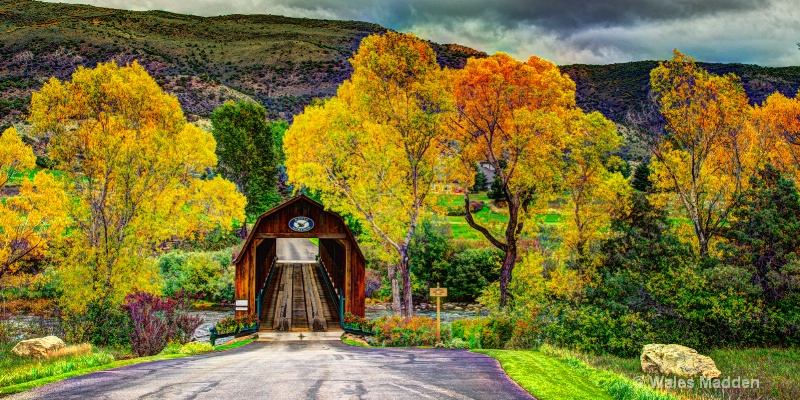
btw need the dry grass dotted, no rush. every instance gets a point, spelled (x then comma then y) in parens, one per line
(75, 350)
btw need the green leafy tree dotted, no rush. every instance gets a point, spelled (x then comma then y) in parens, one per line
(764, 235)
(471, 270)
(430, 251)
(641, 178)
(481, 182)
(247, 152)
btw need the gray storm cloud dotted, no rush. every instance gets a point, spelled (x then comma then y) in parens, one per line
(566, 31)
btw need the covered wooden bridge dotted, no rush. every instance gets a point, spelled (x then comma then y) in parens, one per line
(299, 295)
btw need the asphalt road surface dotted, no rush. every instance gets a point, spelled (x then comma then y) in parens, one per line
(298, 370)
(296, 249)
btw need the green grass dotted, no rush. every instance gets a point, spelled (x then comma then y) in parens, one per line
(314, 240)
(550, 375)
(546, 378)
(16, 388)
(354, 343)
(17, 370)
(233, 345)
(20, 374)
(778, 371)
(494, 221)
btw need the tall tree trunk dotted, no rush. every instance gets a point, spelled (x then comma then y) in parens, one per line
(395, 289)
(505, 273)
(408, 302)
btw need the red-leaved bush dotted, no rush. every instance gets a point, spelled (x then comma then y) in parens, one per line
(187, 324)
(152, 320)
(415, 331)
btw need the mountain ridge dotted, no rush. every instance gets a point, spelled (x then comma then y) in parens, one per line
(281, 62)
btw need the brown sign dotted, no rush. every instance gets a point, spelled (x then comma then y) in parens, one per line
(438, 292)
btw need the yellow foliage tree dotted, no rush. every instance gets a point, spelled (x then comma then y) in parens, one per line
(376, 149)
(31, 218)
(15, 156)
(594, 192)
(133, 168)
(707, 152)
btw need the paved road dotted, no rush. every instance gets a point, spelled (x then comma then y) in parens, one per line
(296, 249)
(298, 370)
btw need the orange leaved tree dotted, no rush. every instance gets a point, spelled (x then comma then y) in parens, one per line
(517, 117)
(777, 123)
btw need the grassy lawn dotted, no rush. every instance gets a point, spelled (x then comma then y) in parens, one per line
(546, 378)
(487, 217)
(314, 240)
(778, 371)
(20, 374)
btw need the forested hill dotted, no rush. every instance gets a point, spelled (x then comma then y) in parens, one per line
(613, 89)
(281, 62)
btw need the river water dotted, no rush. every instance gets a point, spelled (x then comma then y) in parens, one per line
(212, 316)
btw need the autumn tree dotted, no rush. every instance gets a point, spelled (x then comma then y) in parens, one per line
(513, 116)
(594, 191)
(376, 149)
(777, 123)
(703, 156)
(29, 219)
(247, 152)
(133, 168)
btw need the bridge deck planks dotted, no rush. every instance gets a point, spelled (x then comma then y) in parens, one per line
(296, 291)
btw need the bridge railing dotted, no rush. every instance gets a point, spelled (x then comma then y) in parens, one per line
(265, 288)
(338, 300)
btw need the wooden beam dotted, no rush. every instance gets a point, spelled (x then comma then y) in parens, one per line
(302, 235)
(347, 278)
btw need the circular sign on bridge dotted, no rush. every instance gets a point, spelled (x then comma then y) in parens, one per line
(301, 224)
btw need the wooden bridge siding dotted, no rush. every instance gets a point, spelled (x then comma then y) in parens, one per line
(324, 222)
(357, 282)
(331, 254)
(250, 278)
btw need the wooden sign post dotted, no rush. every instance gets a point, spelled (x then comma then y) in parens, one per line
(438, 293)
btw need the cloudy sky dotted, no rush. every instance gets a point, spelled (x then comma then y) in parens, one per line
(761, 32)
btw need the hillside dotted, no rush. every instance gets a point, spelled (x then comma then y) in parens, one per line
(613, 89)
(281, 62)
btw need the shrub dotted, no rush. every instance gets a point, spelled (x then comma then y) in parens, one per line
(102, 324)
(457, 343)
(186, 324)
(206, 274)
(235, 324)
(8, 331)
(151, 322)
(396, 331)
(526, 334)
(196, 348)
(360, 323)
(470, 271)
(484, 333)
